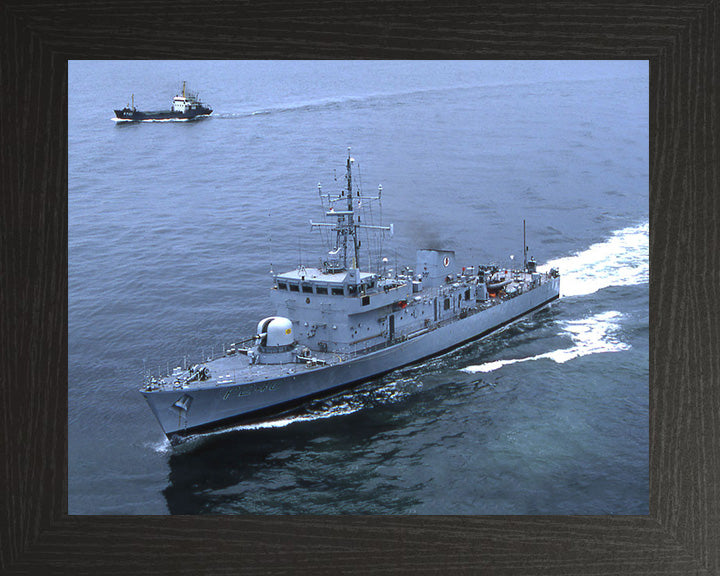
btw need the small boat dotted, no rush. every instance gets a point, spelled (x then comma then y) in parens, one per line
(500, 283)
(185, 106)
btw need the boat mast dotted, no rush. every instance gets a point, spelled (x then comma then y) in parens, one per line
(346, 224)
(183, 88)
(524, 248)
(351, 228)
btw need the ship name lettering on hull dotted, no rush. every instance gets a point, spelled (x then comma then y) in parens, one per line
(240, 391)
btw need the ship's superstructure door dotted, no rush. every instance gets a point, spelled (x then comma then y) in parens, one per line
(391, 328)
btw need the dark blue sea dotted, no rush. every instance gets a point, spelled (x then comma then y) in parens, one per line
(175, 226)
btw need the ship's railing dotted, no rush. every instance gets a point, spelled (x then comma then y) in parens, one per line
(222, 350)
(173, 369)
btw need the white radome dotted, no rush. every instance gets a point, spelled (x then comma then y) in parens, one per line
(278, 329)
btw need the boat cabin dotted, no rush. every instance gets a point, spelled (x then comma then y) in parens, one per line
(351, 310)
(185, 102)
(180, 104)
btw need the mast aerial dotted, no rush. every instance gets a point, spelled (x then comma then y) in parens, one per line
(524, 248)
(350, 218)
(346, 224)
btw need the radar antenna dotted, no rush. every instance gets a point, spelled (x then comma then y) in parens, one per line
(347, 225)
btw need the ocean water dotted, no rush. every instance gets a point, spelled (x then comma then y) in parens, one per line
(175, 226)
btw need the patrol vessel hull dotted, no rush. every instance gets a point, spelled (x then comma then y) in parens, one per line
(219, 406)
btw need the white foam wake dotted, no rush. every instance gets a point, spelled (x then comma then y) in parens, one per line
(622, 260)
(278, 423)
(281, 423)
(195, 439)
(592, 335)
(162, 446)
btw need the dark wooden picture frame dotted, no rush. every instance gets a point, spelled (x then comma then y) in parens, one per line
(681, 535)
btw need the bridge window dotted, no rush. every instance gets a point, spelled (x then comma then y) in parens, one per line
(320, 290)
(447, 304)
(294, 288)
(337, 291)
(282, 285)
(307, 288)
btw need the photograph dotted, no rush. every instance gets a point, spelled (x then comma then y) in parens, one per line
(387, 287)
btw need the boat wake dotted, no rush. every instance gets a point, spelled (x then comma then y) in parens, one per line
(304, 107)
(394, 97)
(340, 409)
(622, 260)
(324, 104)
(594, 335)
(162, 446)
(314, 106)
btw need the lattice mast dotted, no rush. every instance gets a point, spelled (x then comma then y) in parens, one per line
(347, 225)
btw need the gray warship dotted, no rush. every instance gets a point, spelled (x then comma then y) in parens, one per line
(337, 325)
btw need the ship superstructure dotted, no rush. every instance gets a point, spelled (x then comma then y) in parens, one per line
(336, 324)
(185, 106)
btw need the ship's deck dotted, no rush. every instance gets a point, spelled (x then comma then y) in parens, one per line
(233, 369)
(236, 369)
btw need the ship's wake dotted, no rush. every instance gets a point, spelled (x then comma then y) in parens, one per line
(161, 446)
(593, 335)
(361, 100)
(622, 260)
(324, 104)
(398, 97)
